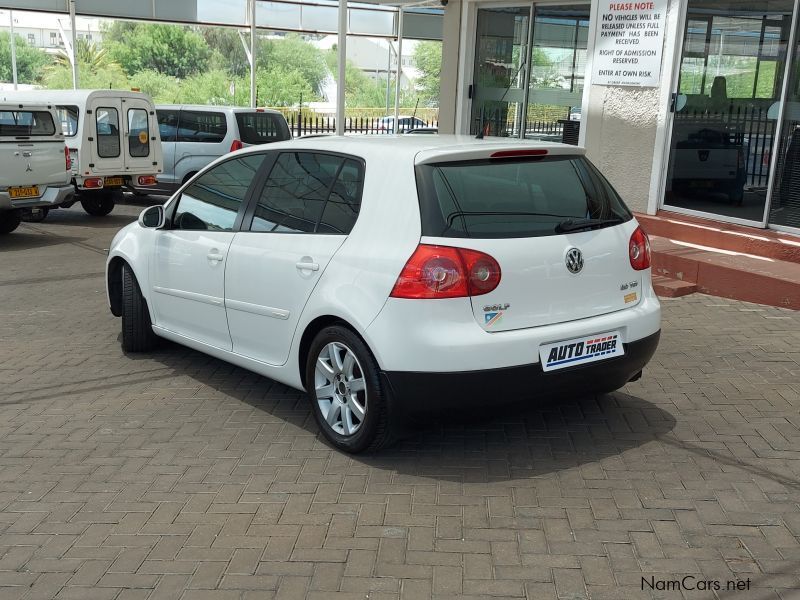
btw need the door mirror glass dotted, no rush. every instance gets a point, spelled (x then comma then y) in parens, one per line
(152, 218)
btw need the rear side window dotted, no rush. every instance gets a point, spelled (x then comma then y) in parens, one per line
(107, 132)
(262, 128)
(201, 126)
(513, 198)
(308, 192)
(68, 116)
(167, 125)
(212, 202)
(24, 123)
(138, 133)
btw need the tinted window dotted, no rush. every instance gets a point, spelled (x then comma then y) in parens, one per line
(107, 132)
(202, 126)
(262, 128)
(167, 125)
(68, 115)
(138, 132)
(307, 192)
(24, 123)
(213, 200)
(513, 198)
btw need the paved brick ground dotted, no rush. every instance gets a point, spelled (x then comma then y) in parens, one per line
(175, 475)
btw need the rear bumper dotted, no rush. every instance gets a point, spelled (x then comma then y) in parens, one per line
(420, 392)
(53, 196)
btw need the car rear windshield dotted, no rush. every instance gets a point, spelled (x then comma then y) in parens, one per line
(262, 128)
(514, 198)
(26, 123)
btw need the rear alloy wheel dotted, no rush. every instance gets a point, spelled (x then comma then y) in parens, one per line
(98, 204)
(10, 220)
(137, 329)
(347, 398)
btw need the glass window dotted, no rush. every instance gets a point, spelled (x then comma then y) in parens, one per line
(213, 201)
(262, 128)
(25, 123)
(68, 115)
(307, 192)
(138, 133)
(107, 132)
(167, 125)
(202, 126)
(513, 199)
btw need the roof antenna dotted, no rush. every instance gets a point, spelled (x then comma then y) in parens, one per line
(480, 125)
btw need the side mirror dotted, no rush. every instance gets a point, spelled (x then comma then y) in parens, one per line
(153, 217)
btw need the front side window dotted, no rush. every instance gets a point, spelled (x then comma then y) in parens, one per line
(68, 116)
(26, 123)
(513, 198)
(202, 126)
(167, 125)
(107, 132)
(308, 192)
(212, 202)
(138, 133)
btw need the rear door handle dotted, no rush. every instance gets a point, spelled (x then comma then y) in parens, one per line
(307, 266)
(215, 256)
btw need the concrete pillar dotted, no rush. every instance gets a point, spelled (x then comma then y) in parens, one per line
(448, 81)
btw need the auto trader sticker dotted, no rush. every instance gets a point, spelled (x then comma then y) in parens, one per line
(578, 351)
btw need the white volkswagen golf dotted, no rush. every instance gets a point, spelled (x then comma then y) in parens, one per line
(388, 276)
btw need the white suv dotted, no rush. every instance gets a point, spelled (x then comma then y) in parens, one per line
(393, 276)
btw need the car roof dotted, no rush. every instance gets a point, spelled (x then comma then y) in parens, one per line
(216, 108)
(68, 96)
(418, 149)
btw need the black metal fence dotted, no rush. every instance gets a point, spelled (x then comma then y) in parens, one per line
(313, 124)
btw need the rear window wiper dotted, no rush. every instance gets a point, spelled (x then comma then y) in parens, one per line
(578, 224)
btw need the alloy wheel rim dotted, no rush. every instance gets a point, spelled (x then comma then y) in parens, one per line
(340, 389)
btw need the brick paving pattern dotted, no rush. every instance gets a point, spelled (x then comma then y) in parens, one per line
(175, 475)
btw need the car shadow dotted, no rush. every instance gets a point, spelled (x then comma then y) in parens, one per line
(21, 239)
(74, 217)
(522, 440)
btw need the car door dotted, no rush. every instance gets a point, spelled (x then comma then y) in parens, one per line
(140, 136)
(188, 271)
(201, 140)
(298, 220)
(105, 135)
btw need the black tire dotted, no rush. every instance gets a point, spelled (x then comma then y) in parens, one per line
(98, 204)
(137, 330)
(33, 215)
(188, 176)
(10, 220)
(374, 431)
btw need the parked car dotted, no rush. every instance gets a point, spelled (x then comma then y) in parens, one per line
(34, 162)
(406, 124)
(113, 141)
(424, 130)
(387, 277)
(194, 136)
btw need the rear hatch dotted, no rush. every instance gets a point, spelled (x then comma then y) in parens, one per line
(31, 149)
(551, 221)
(258, 127)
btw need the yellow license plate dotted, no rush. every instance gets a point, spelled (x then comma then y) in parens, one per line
(24, 192)
(113, 181)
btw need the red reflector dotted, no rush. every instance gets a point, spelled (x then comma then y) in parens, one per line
(147, 180)
(236, 145)
(639, 250)
(93, 183)
(67, 159)
(516, 153)
(446, 272)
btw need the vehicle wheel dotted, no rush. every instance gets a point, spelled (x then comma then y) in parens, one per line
(35, 215)
(98, 204)
(10, 220)
(137, 330)
(347, 398)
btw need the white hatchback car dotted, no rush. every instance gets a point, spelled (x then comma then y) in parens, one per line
(390, 276)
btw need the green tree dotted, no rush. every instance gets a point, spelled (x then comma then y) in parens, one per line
(86, 53)
(170, 49)
(361, 90)
(293, 53)
(227, 50)
(59, 77)
(214, 87)
(161, 88)
(282, 86)
(428, 59)
(30, 60)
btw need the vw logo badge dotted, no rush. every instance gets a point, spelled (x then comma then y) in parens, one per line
(574, 261)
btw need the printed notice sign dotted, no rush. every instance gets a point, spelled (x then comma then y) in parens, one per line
(630, 37)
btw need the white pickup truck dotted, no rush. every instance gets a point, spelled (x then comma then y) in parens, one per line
(35, 167)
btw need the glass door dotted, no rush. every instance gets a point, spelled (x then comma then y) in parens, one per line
(723, 131)
(500, 76)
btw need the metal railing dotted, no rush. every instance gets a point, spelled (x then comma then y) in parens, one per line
(301, 125)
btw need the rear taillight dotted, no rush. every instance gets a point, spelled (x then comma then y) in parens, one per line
(67, 159)
(236, 145)
(93, 183)
(639, 250)
(446, 272)
(147, 180)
